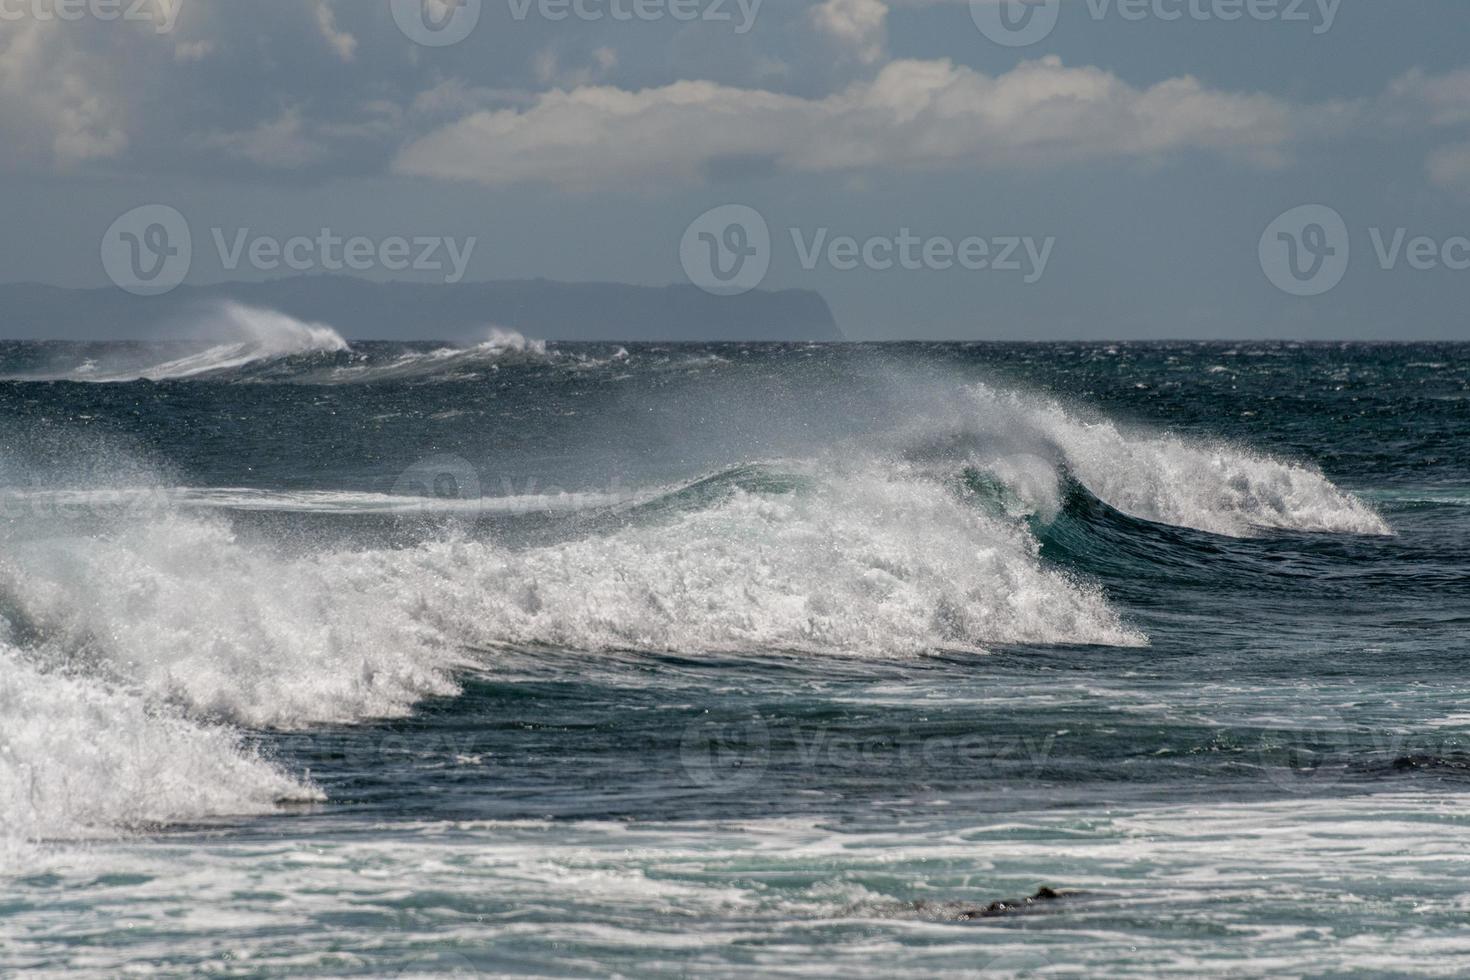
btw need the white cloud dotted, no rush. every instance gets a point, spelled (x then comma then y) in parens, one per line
(1439, 100)
(914, 115)
(191, 51)
(1419, 99)
(453, 98)
(550, 71)
(1449, 168)
(861, 26)
(57, 106)
(291, 141)
(341, 42)
(279, 144)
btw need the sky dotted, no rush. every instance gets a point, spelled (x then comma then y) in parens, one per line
(937, 169)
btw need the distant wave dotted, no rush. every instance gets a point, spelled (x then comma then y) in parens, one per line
(251, 344)
(265, 336)
(246, 344)
(242, 335)
(444, 363)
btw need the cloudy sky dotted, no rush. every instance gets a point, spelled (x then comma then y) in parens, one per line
(1108, 168)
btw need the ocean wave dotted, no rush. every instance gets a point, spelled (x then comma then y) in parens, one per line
(852, 562)
(1033, 445)
(846, 554)
(265, 336)
(179, 608)
(238, 336)
(162, 626)
(186, 627)
(503, 347)
(80, 757)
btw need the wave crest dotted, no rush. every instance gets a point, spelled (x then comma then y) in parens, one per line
(238, 335)
(186, 626)
(181, 609)
(81, 758)
(1032, 444)
(856, 562)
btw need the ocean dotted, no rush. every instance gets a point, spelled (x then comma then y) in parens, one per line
(729, 660)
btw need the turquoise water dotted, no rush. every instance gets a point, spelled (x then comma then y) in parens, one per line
(733, 660)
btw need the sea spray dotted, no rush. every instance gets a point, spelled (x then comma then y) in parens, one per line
(82, 757)
(237, 336)
(852, 560)
(1169, 479)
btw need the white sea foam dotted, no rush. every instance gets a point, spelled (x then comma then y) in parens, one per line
(1299, 887)
(448, 363)
(81, 757)
(861, 561)
(148, 629)
(144, 635)
(501, 339)
(1160, 477)
(237, 335)
(179, 608)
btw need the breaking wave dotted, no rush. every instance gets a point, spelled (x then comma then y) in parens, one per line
(1032, 446)
(80, 757)
(445, 363)
(238, 336)
(137, 644)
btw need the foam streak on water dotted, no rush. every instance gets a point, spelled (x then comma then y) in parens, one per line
(80, 757)
(1305, 888)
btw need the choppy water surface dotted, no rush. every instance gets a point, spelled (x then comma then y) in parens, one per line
(745, 659)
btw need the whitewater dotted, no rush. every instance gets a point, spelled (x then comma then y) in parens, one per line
(452, 593)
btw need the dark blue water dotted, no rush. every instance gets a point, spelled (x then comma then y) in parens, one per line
(735, 659)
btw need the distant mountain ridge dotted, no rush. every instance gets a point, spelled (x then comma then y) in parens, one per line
(360, 309)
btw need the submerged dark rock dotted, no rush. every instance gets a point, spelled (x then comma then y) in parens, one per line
(1043, 895)
(1457, 763)
(960, 910)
